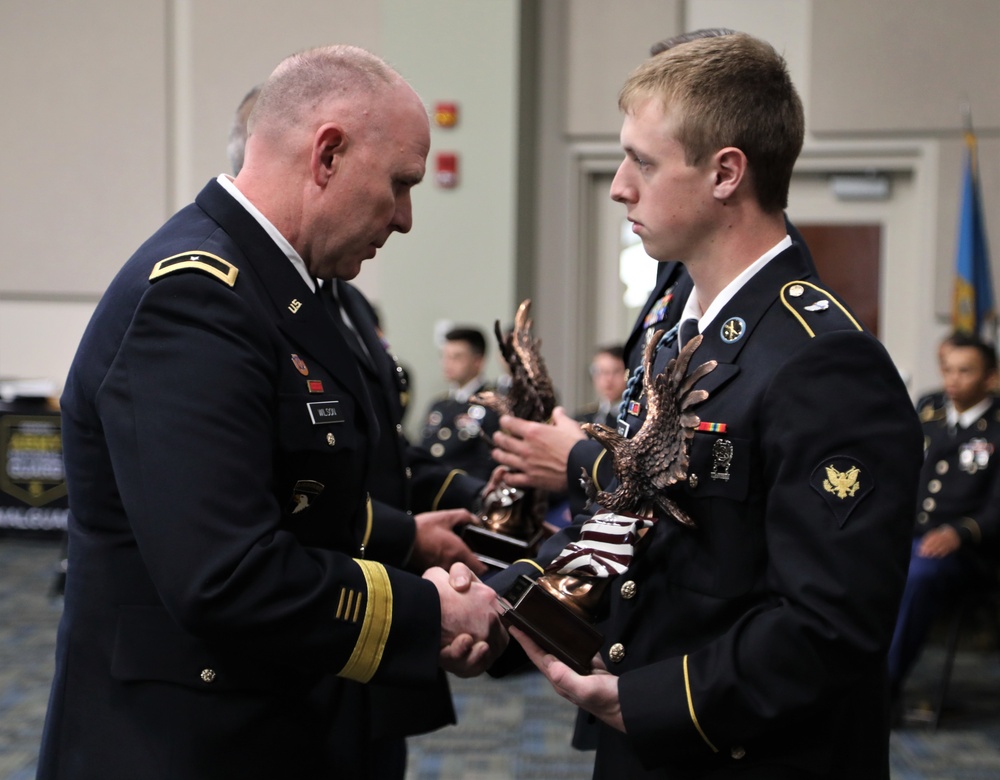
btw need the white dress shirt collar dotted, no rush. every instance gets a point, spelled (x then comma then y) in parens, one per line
(227, 184)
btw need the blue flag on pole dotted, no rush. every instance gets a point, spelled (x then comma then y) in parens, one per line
(972, 310)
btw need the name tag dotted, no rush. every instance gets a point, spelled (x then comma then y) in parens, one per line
(325, 412)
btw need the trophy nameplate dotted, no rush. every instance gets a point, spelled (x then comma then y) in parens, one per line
(555, 628)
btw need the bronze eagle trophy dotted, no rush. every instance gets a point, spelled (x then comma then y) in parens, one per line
(557, 610)
(510, 523)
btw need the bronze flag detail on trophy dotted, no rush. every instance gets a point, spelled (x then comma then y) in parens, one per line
(557, 610)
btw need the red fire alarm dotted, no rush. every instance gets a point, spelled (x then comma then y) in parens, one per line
(446, 114)
(446, 169)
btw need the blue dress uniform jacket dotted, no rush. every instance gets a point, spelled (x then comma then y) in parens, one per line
(453, 431)
(755, 643)
(220, 614)
(395, 711)
(960, 480)
(661, 311)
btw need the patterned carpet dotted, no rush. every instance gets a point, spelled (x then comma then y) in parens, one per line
(515, 728)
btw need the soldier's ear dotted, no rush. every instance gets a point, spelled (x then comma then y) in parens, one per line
(329, 144)
(729, 166)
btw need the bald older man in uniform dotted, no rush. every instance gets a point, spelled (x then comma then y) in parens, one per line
(222, 611)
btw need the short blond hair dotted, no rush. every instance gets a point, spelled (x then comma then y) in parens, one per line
(728, 90)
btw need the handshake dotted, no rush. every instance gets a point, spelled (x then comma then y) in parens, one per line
(472, 635)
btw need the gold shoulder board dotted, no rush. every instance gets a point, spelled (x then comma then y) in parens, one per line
(806, 301)
(206, 262)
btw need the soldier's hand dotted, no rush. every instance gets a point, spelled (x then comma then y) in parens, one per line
(472, 636)
(939, 542)
(535, 452)
(597, 692)
(437, 544)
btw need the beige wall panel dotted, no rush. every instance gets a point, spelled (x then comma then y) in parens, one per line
(904, 66)
(605, 42)
(38, 338)
(458, 262)
(224, 47)
(84, 172)
(782, 23)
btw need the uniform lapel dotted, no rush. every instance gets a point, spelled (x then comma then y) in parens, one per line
(299, 312)
(733, 328)
(382, 367)
(667, 277)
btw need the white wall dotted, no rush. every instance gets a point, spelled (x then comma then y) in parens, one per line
(118, 112)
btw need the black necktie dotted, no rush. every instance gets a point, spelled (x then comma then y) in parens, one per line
(687, 331)
(351, 336)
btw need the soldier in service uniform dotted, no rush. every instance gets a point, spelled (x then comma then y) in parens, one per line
(752, 644)
(223, 614)
(457, 429)
(958, 509)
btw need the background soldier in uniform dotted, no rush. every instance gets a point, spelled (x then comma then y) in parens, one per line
(958, 510)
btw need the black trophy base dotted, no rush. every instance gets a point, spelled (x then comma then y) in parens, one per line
(499, 550)
(552, 625)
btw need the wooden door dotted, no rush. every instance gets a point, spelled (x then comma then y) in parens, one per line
(848, 258)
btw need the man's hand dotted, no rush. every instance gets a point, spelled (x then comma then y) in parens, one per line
(472, 636)
(437, 544)
(942, 541)
(536, 453)
(597, 692)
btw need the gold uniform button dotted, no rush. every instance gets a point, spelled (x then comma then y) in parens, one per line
(934, 486)
(929, 504)
(941, 467)
(437, 449)
(409, 472)
(617, 652)
(208, 675)
(444, 434)
(628, 589)
(922, 518)
(796, 290)
(981, 425)
(331, 439)
(738, 752)
(693, 480)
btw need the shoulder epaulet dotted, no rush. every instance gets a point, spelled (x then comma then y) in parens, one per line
(816, 309)
(205, 262)
(928, 412)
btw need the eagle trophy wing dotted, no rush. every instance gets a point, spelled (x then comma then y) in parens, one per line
(657, 456)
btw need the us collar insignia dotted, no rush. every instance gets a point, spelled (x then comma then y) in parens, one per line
(733, 330)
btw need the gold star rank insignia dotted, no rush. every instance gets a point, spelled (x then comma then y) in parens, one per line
(842, 482)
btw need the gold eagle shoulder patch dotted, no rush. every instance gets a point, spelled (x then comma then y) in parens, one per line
(816, 309)
(842, 482)
(205, 262)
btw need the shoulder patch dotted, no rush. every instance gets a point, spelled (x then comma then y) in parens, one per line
(205, 262)
(816, 309)
(842, 482)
